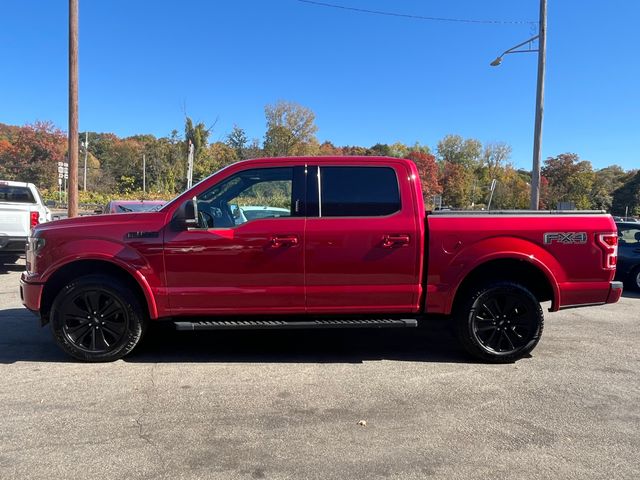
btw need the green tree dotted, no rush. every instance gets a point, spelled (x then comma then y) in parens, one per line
(570, 180)
(197, 134)
(291, 130)
(382, 150)
(459, 161)
(454, 149)
(216, 156)
(606, 181)
(237, 140)
(626, 199)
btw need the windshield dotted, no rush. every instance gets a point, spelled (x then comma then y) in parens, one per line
(137, 207)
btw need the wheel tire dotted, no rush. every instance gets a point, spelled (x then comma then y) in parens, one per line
(97, 318)
(500, 322)
(634, 279)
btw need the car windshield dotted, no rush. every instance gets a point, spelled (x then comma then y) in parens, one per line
(16, 194)
(137, 207)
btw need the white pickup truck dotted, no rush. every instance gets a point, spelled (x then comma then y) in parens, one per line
(21, 209)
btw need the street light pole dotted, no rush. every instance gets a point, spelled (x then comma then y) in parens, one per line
(537, 134)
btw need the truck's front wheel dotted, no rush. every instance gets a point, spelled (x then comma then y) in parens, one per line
(500, 322)
(97, 319)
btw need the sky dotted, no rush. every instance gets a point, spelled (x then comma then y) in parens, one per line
(368, 78)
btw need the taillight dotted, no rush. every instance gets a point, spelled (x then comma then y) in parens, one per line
(609, 243)
(35, 219)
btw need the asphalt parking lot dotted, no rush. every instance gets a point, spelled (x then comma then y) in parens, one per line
(282, 405)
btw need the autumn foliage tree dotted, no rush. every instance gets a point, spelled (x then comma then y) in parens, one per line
(31, 153)
(428, 171)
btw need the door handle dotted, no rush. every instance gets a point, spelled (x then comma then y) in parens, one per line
(390, 241)
(284, 240)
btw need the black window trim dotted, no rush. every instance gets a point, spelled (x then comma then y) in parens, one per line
(319, 187)
(298, 193)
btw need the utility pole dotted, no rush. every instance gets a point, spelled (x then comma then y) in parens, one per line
(144, 174)
(86, 152)
(73, 108)
(537, 134)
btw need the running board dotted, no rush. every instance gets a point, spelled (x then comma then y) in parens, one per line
(291, 324)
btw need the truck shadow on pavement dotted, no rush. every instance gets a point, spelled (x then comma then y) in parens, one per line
(433, 342)
(23, 340)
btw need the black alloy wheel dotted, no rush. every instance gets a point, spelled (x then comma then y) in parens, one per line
(97, 318)
(94, 320)
(501, 322)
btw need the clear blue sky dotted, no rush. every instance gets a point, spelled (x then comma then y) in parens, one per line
(368, 78)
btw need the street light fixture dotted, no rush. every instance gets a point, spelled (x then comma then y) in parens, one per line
(498, 60)
(537, 134)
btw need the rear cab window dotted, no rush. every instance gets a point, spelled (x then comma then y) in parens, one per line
(358, 191)
(16, 194)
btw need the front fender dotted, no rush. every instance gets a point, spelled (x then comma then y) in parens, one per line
(121, 255)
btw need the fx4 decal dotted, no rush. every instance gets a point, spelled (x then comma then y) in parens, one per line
(566, 238)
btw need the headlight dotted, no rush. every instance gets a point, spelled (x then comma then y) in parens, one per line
(35, 244)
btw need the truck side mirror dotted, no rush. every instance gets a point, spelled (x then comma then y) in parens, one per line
(187, 215)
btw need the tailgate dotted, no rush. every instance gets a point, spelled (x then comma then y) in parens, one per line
(14, 220)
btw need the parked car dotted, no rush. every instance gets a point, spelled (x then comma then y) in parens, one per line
(21, 209)
(244, 213)
(127, 206)
(356, 250)
(253, 212)
(628, 269)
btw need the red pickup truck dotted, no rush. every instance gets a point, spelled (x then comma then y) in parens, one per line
(325, 243)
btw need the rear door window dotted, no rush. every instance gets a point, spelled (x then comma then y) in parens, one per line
(16, 194)
(358, 192)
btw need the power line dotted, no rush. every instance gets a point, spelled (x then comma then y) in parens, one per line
(418, 17)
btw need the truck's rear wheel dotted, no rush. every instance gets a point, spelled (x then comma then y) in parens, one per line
(500, 322)
(97, 319)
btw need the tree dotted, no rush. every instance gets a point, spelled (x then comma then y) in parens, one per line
(454, 149)
(457, 185)
(237, 140)
(31, 153)
(512, 190)
(197, 134)
(495, 157)
(329, 149)
(382, 150)
(214, 157)
(428, 171)
(290, 130)
(626, 199)
(606, 181)
(570, 180)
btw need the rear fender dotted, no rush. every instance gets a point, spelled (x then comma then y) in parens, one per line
(498, 248)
